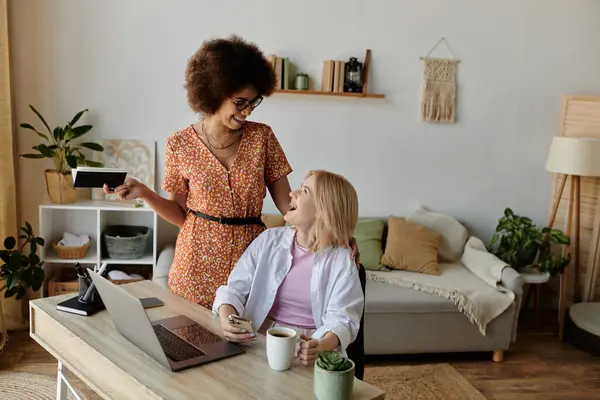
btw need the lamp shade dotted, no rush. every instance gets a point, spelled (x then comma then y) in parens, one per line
(574, 156)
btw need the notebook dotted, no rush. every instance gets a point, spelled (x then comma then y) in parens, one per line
(90, 177)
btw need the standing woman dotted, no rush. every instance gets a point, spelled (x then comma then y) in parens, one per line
(218, 170)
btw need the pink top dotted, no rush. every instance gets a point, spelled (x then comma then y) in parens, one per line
(292, 304)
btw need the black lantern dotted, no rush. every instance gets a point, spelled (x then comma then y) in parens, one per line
(353, 76)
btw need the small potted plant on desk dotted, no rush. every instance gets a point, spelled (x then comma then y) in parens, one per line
(520, 244)
(60, 148)
(21, 267)
(333, 376)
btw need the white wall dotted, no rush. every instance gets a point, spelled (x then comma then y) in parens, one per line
(125, 61)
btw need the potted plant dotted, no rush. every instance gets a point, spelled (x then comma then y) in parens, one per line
(58, 145)
(21, 266)
(520, 243)
(333, 376)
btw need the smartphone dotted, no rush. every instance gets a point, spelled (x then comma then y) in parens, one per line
(241, 323)
(149, 302)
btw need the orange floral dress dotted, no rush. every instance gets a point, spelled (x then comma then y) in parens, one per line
(206, 251)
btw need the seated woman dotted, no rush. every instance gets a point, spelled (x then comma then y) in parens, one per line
(302, 276)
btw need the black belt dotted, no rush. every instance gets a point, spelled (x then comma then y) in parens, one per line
(229, 221)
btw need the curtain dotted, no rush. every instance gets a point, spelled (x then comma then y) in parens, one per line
(11, 316)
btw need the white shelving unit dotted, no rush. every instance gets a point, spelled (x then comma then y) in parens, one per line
(91, 217)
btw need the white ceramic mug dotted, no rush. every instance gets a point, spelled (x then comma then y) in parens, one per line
(281, 344)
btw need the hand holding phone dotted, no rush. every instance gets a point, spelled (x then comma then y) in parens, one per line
(238, 329)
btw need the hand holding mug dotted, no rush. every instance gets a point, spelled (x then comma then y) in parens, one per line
(309, 350)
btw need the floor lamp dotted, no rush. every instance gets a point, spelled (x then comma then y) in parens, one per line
(572, 157)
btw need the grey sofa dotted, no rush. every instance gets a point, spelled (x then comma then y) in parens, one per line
(404, 321)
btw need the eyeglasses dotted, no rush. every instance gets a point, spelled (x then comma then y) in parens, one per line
(242, 104)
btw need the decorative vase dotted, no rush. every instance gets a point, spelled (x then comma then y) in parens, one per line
(60, 187)
(333, 385)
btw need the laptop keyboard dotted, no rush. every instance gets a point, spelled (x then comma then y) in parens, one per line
(196, 334)
(174, 347)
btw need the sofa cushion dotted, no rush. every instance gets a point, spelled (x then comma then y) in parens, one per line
(385, 298)
(369, 236)
(273, 220)
(411, 247)
(454, 234)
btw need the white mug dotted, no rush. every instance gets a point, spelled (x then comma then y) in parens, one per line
(281, 344)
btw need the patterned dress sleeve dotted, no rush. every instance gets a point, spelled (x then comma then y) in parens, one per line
(276, 165)
(174, 181)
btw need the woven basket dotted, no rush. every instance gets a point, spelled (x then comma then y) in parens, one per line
(72, 252)
(126, 242)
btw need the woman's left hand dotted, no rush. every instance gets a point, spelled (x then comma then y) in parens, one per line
(309, 350)
(355, 253)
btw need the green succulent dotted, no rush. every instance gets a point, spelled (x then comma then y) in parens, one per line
(333, 361)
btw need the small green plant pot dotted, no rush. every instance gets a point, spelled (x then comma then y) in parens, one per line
(334, 385)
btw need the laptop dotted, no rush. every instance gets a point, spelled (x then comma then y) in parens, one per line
(176, 343)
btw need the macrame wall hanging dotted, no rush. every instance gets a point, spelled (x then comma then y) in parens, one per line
(438, 103)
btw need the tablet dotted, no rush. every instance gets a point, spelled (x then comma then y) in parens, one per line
(90, 177)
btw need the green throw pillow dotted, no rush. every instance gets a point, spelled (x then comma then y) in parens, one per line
(368, 235)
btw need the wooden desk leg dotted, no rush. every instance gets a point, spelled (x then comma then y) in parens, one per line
(62, 384)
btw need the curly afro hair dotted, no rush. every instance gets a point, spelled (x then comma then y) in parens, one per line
(222, 67)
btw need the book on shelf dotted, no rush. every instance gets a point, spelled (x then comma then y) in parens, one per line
(282, 68)
(333, 76)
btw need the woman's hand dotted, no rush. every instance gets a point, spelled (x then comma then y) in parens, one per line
(309, 350)
(131, 189)
(355, 253)
(233, 333)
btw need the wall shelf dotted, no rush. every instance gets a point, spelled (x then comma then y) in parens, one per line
(339, 94)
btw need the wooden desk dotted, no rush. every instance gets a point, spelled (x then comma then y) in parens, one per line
(92, 349)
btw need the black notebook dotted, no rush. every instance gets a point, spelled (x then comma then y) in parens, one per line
(75, 307)
(88, 177)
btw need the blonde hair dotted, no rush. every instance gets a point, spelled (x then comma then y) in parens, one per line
(337, 210)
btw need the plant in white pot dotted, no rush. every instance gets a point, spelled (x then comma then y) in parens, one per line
(59, 146)
(333, 377)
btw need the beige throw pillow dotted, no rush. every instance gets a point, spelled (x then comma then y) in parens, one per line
(411, 247)
(273, 220)
(454, 234)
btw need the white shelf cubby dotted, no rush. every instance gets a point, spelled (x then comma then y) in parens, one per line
(91, 217)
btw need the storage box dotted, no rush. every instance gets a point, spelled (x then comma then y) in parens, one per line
(64, 281)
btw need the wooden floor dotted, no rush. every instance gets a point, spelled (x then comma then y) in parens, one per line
(538, 366)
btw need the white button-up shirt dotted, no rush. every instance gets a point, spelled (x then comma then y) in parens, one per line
(337, 298)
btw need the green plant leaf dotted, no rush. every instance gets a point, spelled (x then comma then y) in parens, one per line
(10, 242)
(29, 228)
(33, 247)
(45, 151)
(72, 161)
(81, 130)
(40, 134)
(14, 261)
(11, 292)
(31, 156)
(21, 293)
(34, 259)
(38, 278)
(96, 164)
(40, 241)
(41, 118)
(92, 146)
(77, 116)
(5, 256)
(13, 280)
